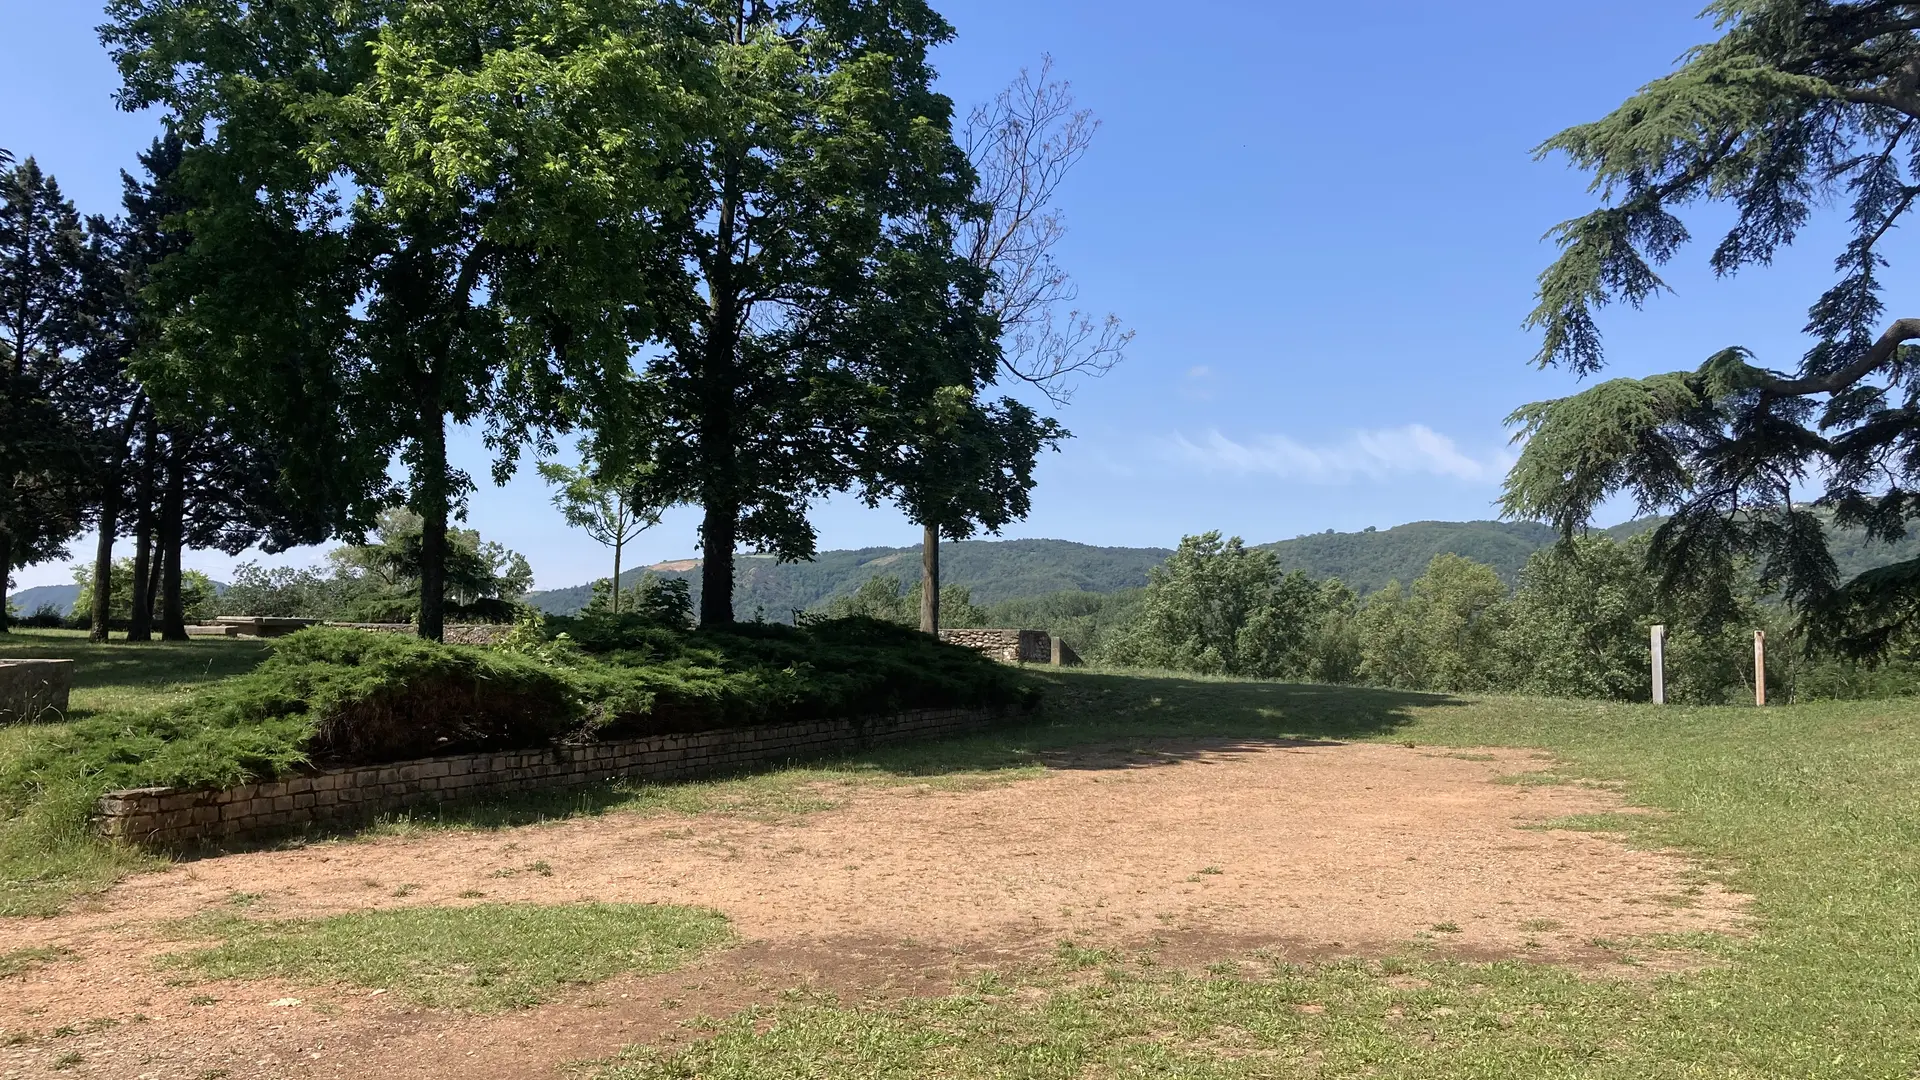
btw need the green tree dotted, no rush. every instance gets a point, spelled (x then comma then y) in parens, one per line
(45, 472)
(199, 599)
(1795, 101)
(482, 579)
(887, 599)
(467, 186)
(655, 599)
(1579, 622)
(828, 173)
(963, 463)
(1219, 607)
(293, 592)
(605, 504)
(1442, 634)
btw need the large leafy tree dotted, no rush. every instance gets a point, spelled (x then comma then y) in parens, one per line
(47, 266)
(827, 171)
(459, 193)
(1798, 104)
(1219, 607)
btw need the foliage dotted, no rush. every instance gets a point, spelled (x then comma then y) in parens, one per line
(663, 601)
(291, 592)
(1579, 622)
(1218, 607)
(812, 264)
(479, 958)
(483, 581)
(1087, 621)
(601, 502)
(50, 271)
(199, 597)
(995, 571)
(436, 250)
(884, 599)
(1796, 101)
(1441, 634)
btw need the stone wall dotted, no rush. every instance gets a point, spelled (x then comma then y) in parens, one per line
(1006, 646)
(175, 818)
(34, 690)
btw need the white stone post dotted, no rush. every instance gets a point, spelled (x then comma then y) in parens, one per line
(1659, 665)
(1759, 667)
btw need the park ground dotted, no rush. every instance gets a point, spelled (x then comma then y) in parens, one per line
(1157, 876)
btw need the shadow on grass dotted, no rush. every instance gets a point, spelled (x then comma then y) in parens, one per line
(122, 670)
(1105, 720)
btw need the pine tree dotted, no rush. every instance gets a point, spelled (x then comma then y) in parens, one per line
(1796, 100)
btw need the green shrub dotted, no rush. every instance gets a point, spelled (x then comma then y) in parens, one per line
(638, 677)
(329, 696)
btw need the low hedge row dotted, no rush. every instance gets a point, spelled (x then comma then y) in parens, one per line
(326, 697)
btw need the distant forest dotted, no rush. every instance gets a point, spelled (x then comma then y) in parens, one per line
(997, 573)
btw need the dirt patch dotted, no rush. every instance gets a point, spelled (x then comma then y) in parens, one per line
(1193, 852)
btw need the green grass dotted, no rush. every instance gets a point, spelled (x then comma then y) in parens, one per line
(47, 853)
(481, 958)
(1810, 809)
(119, 677)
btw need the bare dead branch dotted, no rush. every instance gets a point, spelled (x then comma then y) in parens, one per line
(1023, 144)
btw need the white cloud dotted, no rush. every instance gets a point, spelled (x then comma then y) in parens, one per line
(1409, 450)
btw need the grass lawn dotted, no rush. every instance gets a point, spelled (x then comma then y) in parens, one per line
(480, 958)
(119, 676)
(44, 857)
(1814, 810)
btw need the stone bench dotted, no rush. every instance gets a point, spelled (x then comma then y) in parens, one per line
(261, 626)
(34, 690)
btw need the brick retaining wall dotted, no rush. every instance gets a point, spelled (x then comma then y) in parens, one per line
(176, 818)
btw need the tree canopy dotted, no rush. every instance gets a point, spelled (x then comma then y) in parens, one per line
(1797, 105)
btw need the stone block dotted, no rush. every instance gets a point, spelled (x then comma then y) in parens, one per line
(32, 691)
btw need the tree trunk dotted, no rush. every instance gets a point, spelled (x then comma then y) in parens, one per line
(930, 581)
(173, 542)
(719, 534)
(719, 452)
(110, 498)
(6, 579)
(431, 501)
(619, 541)
(140, 622)
(103, 560)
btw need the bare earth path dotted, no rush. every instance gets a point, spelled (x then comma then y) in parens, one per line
(1202, 853)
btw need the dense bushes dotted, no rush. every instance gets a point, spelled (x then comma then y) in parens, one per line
(639, 677)
(1575, 627)
(338, 696)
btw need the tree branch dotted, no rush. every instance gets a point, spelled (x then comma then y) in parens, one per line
(1903, 330)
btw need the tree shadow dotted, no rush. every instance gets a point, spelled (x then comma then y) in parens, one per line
(122, 665)
(1110, 720)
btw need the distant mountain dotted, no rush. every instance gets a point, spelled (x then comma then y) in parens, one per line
(1368, 560)
(1013, 569)
(59, 597)
(994, 570)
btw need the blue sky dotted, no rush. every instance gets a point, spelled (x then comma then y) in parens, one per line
(1325, 231)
